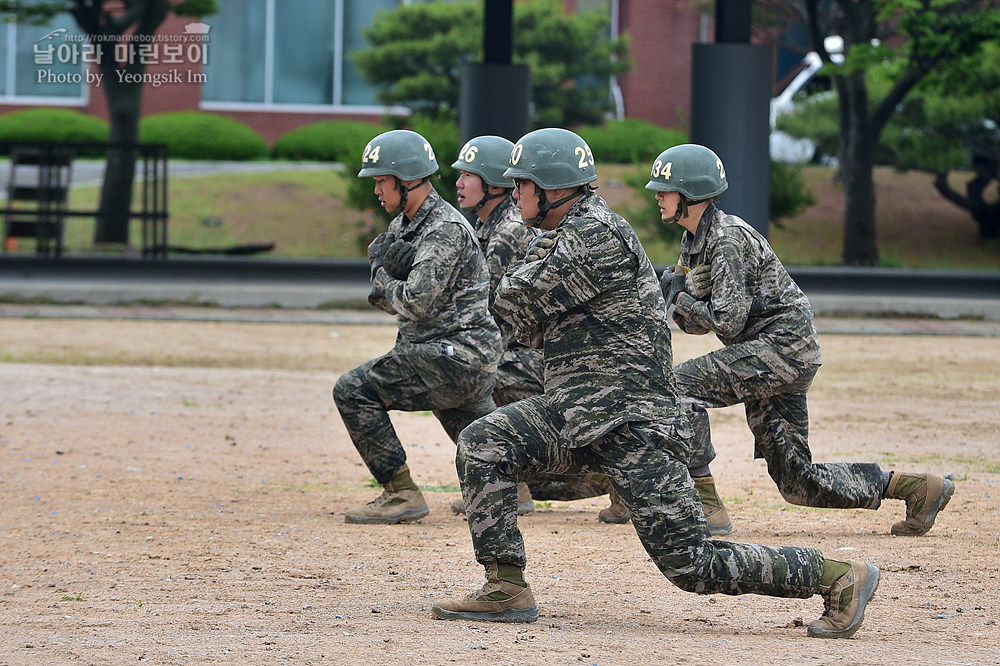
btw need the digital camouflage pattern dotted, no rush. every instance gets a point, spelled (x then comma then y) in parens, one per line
(771, 356)
(504, 239)
(609, 407)
(643, 463)
(594, 305)
(753, 296)
(447, 348)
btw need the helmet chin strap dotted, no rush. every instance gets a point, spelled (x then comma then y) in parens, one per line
(682, 209)
(403, 191)
(544, 205)
(486, 197)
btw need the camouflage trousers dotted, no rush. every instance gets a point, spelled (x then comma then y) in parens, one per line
(520, 376)
(773, 390)
(454, 392)
(645, 462)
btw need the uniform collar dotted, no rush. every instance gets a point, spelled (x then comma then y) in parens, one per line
(699, 239)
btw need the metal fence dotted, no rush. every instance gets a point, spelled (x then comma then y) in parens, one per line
(38, 200)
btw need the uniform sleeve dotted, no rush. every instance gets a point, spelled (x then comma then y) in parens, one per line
(424, 293)
(685, 324)
(533, 293)
(377, 298)
(726, 312)
(507, 246)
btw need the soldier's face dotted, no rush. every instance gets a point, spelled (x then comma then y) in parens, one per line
(470, 189)
(385, 190)
(527, 200)
(668, 203)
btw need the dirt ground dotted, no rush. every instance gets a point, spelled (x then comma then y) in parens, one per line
(172, 493)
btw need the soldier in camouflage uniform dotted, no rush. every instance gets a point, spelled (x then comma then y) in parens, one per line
(738, 289)
(485, 192)
(428, 270)
(587, 294)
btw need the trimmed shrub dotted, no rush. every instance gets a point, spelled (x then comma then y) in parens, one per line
(629, 141)
(50, 125)
(789, 193)
(198, 135)
(326, 141)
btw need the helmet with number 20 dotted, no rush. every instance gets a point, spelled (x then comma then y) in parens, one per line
(552, 158)
(400, 153)
(694, 171)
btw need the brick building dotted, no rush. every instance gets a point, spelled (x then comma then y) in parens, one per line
(277, 70)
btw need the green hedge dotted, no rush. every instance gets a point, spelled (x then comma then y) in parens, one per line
(629, 141)
(50, 125)
(326, 141)
(202, 136)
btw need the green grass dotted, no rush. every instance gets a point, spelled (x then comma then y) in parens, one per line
(303, 213)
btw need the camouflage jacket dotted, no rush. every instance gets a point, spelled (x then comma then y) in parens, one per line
(504, 239)
(445, 298)
(753, 296)
(594, 306)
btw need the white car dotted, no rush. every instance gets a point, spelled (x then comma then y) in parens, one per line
(783, 146)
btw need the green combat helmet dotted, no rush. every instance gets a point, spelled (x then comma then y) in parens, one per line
(400, 153)
(487, 157)
(692, 170)
(553, 159)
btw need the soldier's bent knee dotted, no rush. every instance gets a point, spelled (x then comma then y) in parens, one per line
(344, 387)
(689, 582)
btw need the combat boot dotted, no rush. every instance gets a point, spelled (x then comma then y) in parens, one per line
(524, 502)
(616, 513)
(497, 601)
(394, 505)
(715, 511)
(925, 496)
(844, 602)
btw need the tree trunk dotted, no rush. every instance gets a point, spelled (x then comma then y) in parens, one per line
(124, 104)
(985, 213)
(857, 163)
(141, 19)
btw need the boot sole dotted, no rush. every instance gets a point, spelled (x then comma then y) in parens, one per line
(505, 615)
(866, 594)
(614, 520)
(720, 530)
(405, 517)
(522, 508)
(947, 490)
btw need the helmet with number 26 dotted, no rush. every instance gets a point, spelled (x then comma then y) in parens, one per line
(487, 157)
(400, 153)
(694, 171)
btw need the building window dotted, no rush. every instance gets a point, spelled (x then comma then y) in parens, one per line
(266, 53)
(40, 65)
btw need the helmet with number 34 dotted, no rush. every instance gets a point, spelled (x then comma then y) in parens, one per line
(694, 171)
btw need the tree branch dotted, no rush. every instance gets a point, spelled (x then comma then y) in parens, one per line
(944, 189)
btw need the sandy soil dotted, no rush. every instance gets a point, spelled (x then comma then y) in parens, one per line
(172, 493)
